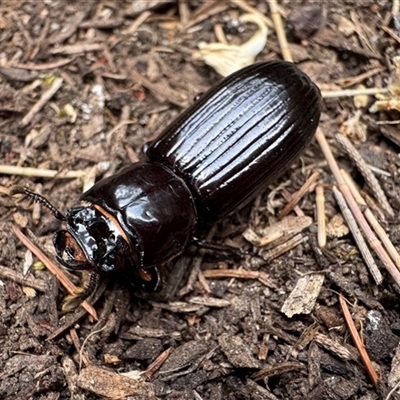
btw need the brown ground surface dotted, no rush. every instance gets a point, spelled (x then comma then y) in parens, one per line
(225, 338)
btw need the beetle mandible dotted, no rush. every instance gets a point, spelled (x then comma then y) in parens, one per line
(214, 158)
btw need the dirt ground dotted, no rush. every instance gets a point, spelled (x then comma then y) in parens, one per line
(222, 328)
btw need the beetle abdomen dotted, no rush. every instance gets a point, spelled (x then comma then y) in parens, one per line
(240, 135)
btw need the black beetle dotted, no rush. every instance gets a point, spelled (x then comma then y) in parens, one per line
(215, 157)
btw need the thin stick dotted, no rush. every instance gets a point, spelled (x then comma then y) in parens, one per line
(40, 172)
(391, 33)
(284, 247)
(12, 275)
(358, 342)
(241, 274)
(46, 96)
(299, 194)
(330, 94)
(358, 237)
(374, 243)
(280, 30)
(138, 21)
(353, 80)
(53, 269)
(42, 67)
(366, 173)
(288, 197)
(320, 207)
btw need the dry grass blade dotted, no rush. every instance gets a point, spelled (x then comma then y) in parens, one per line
(374, 243)
(53, 269)
(331, 94)
(39, 172)
(361, 244)
(394, 254)
(358, 342)
(366, 173)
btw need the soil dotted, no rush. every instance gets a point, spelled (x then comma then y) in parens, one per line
(126, 71)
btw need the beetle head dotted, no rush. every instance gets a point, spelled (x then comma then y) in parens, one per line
(92, 241)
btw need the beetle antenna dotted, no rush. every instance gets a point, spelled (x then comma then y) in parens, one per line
(35, 198)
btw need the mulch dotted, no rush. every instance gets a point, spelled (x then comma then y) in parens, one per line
(83, 86)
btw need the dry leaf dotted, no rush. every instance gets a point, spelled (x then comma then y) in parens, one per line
(336, 227)
(345, 26)
(227, 58)
(354, 129)
(391, 101)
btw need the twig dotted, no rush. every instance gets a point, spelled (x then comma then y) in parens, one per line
(157, 363)
(284, 247)
(77, 48)
(184, 12)
(280, 31)
(289, 198)
(366, 173)
(37, 284)
(391, 33)
(361, 244)
(40, 172)
(374, 243)
(168, 95)
(330, 94)
(138, 21)
(373, 221)
(42, 67)
(353, 80)
(299, 194)
(53, 269)
(320, 206)
(358, 342)
(241, 274)
(205, 11)
(46, 96)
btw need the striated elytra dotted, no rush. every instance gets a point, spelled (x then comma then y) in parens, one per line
(214, 158)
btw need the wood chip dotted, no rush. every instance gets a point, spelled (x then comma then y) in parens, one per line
(237, 351)
(287, 226)
(304, 295)
(112, 385)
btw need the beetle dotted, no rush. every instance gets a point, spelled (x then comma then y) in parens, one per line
(215, 157)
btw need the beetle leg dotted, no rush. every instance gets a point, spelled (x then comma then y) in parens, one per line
(230, 250)
(72, 301)
(233, 251)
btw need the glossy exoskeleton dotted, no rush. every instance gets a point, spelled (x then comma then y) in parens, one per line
(215, 157)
